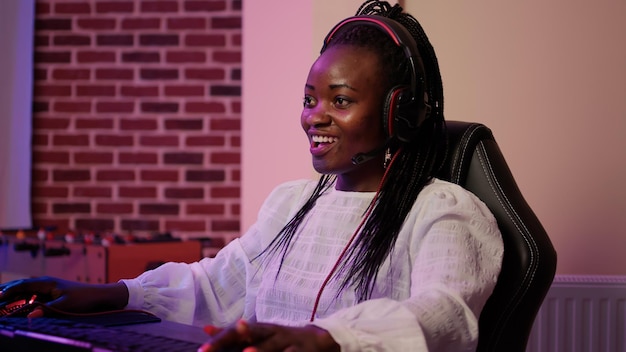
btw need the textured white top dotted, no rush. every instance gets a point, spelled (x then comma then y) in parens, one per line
(427, 297)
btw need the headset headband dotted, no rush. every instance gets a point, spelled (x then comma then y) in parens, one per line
(400, 36)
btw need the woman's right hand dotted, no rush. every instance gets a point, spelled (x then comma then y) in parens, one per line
(67, 296)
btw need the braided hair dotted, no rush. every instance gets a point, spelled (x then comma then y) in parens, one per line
(414, 165)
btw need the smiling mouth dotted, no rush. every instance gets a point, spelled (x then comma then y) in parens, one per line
(316, 141)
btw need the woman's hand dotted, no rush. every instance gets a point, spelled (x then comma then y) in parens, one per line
(263, 337)
(67, 296)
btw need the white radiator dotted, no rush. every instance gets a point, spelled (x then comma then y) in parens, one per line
(582, 314)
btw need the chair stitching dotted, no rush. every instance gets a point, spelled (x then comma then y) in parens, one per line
(473, 128)
(525, 232)
(486, 165)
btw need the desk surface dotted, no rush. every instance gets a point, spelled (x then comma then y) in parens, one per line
(50, 334)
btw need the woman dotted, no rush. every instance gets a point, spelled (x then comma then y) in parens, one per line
(375, 255)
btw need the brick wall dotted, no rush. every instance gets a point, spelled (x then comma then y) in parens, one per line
(137, 116)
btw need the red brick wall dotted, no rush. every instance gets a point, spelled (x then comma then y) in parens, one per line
(137, 116)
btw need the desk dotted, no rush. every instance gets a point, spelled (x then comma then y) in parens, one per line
(90, 263)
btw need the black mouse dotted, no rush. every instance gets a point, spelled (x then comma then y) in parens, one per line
(18, 306)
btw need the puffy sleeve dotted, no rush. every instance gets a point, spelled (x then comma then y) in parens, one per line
(454, 254)
(222, 289)
(211, 291)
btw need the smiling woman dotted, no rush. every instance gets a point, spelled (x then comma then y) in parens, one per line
(343, 103)
(375, 254)
(16, 67)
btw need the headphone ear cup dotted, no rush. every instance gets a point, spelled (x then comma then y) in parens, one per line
(403, 114)
(390, 109)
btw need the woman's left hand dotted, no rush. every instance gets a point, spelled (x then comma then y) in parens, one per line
(263, 337)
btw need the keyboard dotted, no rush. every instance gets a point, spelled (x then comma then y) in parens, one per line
(63, 335)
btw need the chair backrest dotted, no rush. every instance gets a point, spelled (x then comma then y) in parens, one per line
(475, 162)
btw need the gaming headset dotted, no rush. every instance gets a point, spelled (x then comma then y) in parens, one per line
(406, 107)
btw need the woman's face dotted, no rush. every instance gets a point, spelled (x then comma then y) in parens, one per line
(343, 99)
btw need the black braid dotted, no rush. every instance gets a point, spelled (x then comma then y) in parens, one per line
(283, 239)
(415, 166)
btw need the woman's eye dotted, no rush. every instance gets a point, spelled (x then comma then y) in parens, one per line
(307, 101)
(342, 102)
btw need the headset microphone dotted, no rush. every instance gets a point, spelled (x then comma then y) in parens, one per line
(360, 158)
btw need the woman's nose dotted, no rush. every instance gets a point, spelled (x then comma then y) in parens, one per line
(316, 116)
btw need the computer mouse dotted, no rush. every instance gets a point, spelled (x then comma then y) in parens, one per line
(18, 306)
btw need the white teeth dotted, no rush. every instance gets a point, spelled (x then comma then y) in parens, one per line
(323, 139)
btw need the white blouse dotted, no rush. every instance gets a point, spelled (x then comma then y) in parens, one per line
(427, 296)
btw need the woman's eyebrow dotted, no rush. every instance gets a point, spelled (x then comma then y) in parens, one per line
(332, 86)
(342, 85)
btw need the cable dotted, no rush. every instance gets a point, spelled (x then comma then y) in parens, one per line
(356, 232)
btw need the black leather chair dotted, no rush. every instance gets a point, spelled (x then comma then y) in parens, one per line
(475, 162)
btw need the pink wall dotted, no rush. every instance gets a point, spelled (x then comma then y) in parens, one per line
(276, 59)
(547, 77)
